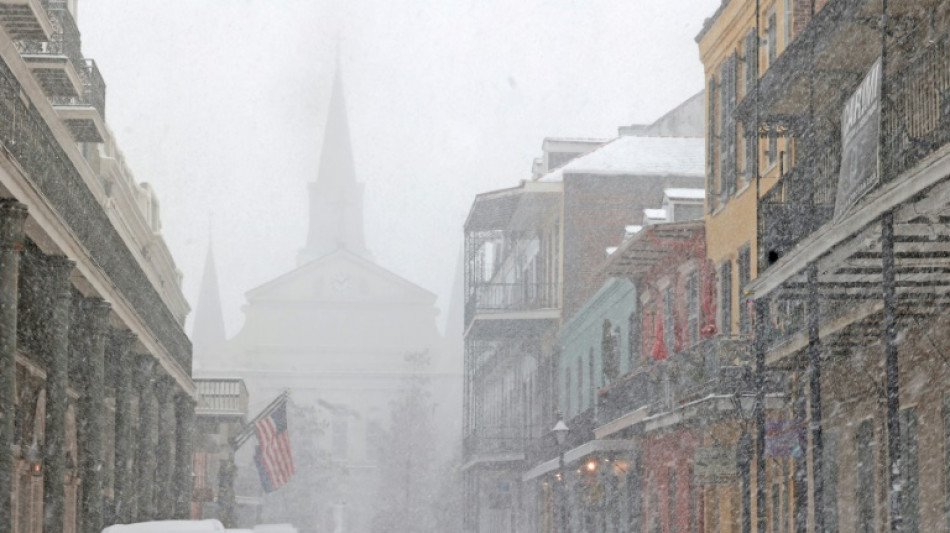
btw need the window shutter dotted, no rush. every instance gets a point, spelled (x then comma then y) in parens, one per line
(727, 137)
(710, 143)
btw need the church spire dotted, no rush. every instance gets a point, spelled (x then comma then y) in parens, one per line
(208, 334)
(336, 199)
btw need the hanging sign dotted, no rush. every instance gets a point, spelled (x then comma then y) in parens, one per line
(860, 136)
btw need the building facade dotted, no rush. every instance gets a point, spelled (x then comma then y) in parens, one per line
(533, 258)
(94, 362)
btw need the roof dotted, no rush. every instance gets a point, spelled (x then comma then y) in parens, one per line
(649, 248)
(685, 194)
(640, 156)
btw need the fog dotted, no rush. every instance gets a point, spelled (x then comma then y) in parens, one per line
(220, 107)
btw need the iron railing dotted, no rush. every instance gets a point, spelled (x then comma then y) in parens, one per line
(93, 89)
(509, 297)
(28, 140)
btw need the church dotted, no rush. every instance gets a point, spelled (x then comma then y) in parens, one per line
(339, 331)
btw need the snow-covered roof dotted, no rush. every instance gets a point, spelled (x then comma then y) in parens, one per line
(685, 194)
(642, 156)
(654, 214)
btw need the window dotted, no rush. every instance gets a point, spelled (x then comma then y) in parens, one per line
(750, 58)
(591, 387)
(671, 500)
(340, 443)
(711, 135)
(787, 22)
(567, 393)
(692, 308)
(864, 443)
(580, 384)
(634, 339)
(668, 326)
(910, 509)
(725, 294)
(771, 37)
(830, 471)
(744, 266)
(728, 127)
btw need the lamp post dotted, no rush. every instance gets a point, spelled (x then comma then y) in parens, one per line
(560, 435)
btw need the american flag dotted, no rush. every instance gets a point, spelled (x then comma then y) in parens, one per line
(274, 461)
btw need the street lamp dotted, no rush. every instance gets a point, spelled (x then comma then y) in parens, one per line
(560, 435)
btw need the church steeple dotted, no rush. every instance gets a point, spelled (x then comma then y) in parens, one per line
(208, 335)
(336, 199)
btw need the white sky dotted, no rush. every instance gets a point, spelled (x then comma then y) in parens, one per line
(219, 105)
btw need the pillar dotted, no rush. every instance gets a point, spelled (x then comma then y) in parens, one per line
(813, 312)
(12, 215)
(183, 484)
(165, 392)
(92, 408)
(120, 347)
(58, 295)
(146, 439)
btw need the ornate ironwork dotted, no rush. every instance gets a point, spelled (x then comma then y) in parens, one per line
(26, 138)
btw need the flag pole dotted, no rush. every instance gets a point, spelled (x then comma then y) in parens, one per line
(238, 440)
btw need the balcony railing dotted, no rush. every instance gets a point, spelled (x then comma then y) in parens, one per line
(712, 366)
(917, 109)
(94, 89)
(800, 202)
(221, 397)
(492, 443)
(512, 297)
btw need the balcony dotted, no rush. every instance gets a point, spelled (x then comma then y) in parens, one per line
(715, 366)
(56, 63)
(221, 398)
(84, 115)
(917, 124)
(512, 300)
(25, 20)
(492, 449)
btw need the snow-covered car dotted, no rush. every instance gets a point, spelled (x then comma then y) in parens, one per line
(168, 526)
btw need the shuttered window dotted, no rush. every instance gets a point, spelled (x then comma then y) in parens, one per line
(725, 294)
(727, 135)
(711, 152)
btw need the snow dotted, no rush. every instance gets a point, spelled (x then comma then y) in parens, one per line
(167, 526)
(640, 156)
(654, 215)
(685, 194)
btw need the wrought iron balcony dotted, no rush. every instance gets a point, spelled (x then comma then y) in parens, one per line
(25, 20)
(56, 62)
(716, 365)
(221, 397)
(487, 446)
(85, 114)
(491, 298)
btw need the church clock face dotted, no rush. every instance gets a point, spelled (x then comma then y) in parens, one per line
(342, 283)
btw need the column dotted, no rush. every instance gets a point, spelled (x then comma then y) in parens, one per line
(813, 312)
(12, 215)
(58, 296)
(145, 446)
(92, 408)
(120, 348)
(184, 484)
(165, 389)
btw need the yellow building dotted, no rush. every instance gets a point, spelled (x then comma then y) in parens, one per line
(737, 45)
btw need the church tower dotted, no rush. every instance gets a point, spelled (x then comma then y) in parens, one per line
(336, 199)
(208, 335)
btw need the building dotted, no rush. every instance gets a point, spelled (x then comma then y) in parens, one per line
(338, 331)
(532, 259)
(95, 364)
(846, 268)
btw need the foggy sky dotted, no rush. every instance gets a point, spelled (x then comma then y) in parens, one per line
(219, 105)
